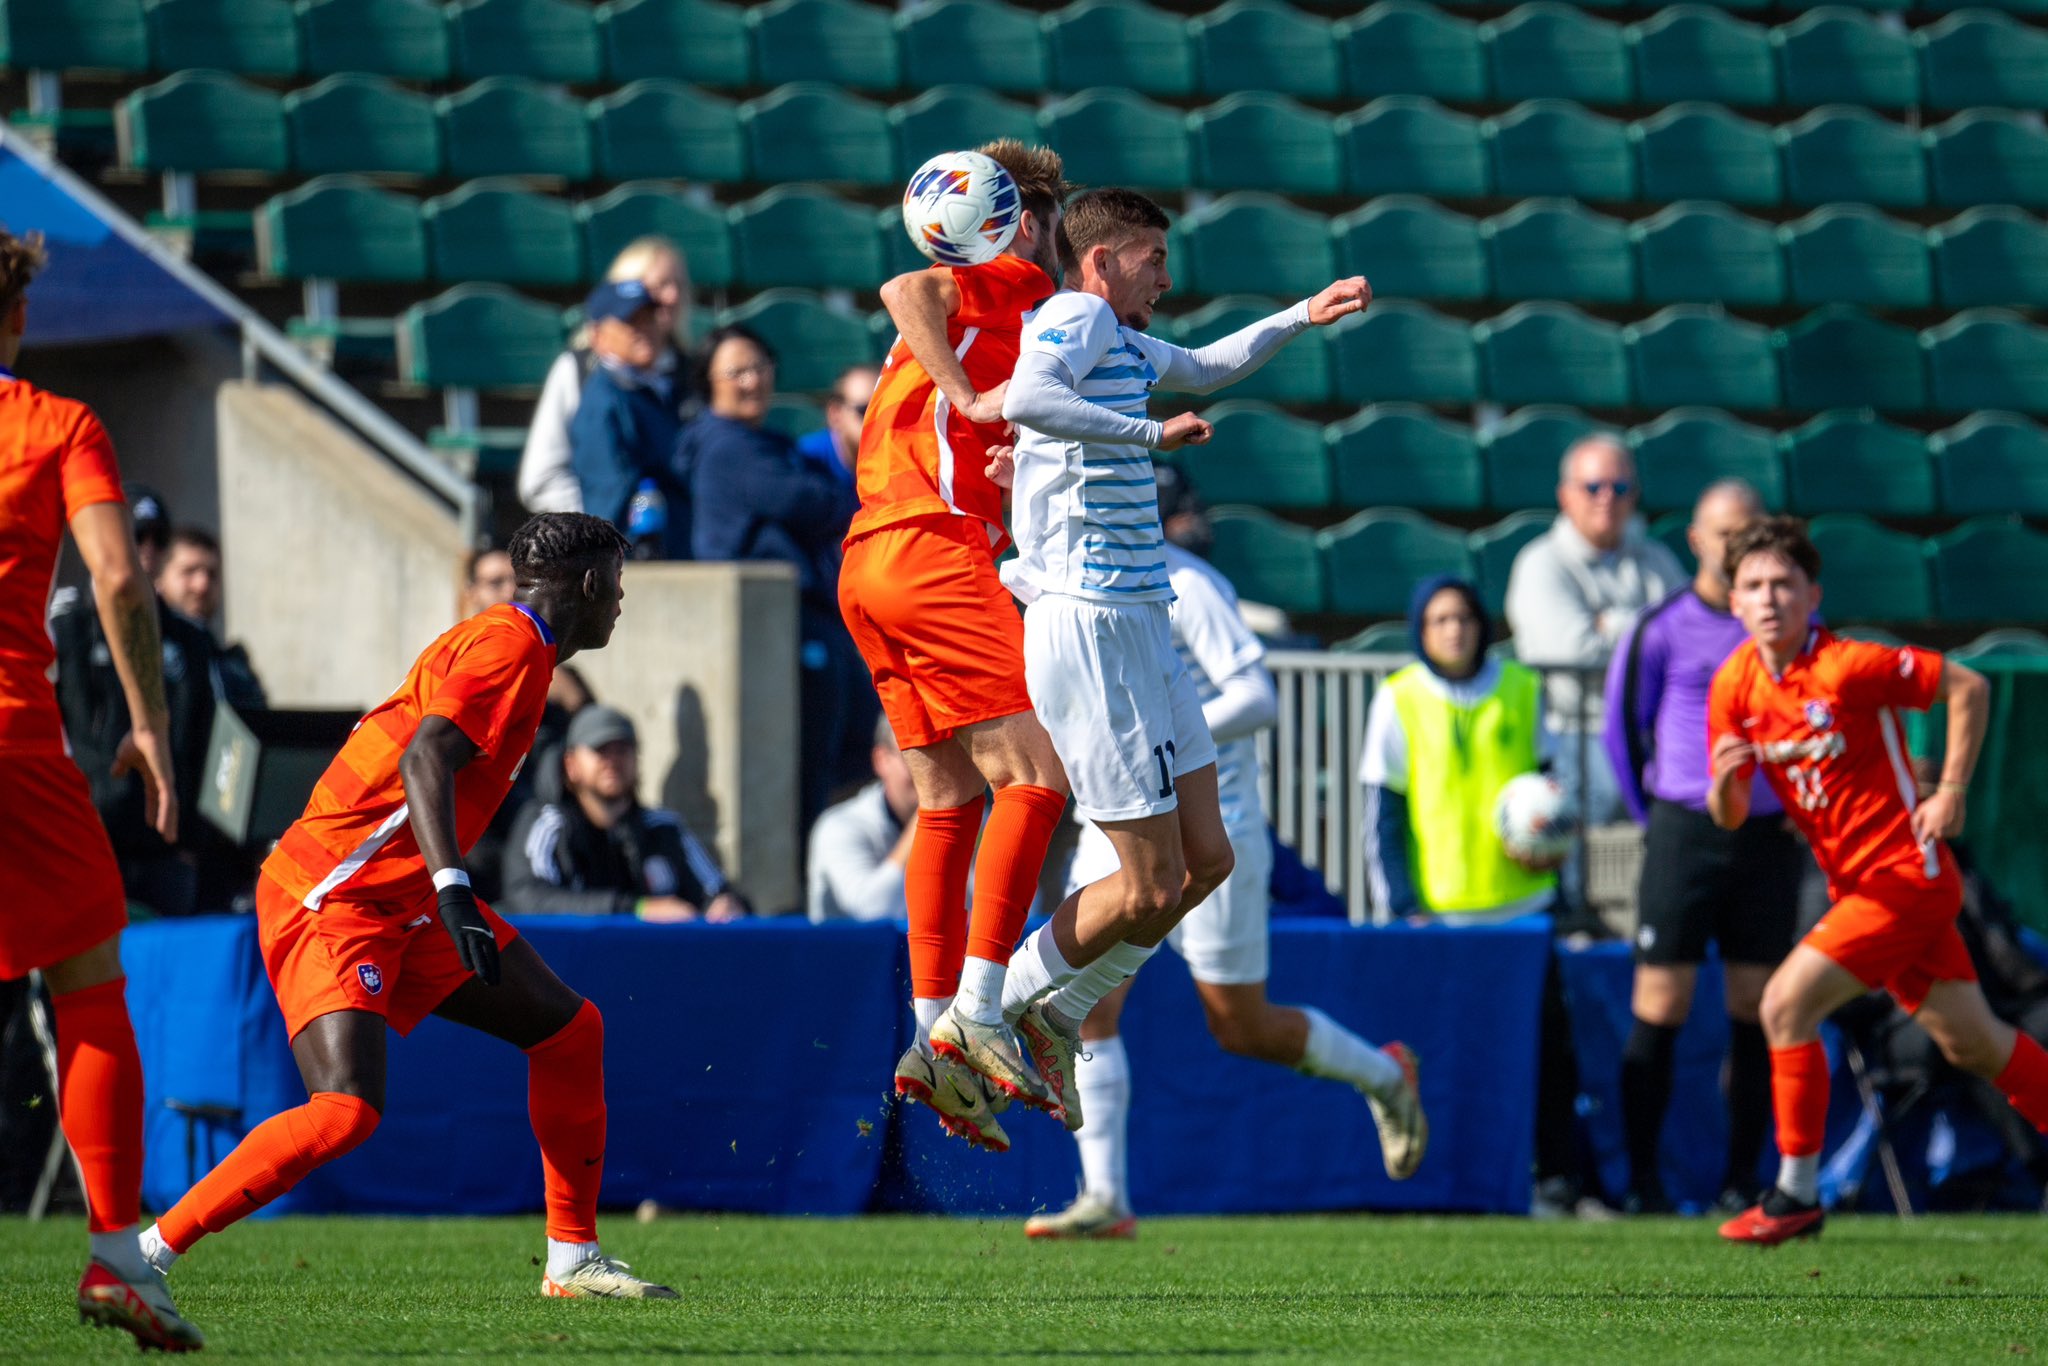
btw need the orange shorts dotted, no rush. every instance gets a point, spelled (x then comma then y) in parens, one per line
(60, 889)
(1897, 931)
(390, 958)
(941, 635)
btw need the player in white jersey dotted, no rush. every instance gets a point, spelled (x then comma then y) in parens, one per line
(1224, 938)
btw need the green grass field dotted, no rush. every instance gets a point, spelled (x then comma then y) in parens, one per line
(1400, 1289)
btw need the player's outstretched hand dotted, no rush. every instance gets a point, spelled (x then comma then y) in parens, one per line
(475, 945)
(1184, 430)
(1002, 466)
(1940, 817)
(987, 405)
(147, 754)
(1340, 300)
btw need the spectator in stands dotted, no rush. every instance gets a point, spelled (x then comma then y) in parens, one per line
(547, 482)
(489, 582)
(626, 423)
(859, 847)
(834, 446)
(597, 851)
(753, 497)
(189, 583)
(152, 527)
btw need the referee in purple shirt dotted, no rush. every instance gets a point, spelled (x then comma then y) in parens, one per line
(1738, 888)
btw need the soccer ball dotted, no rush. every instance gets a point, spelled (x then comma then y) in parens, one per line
(1535, 819)
(961, 209)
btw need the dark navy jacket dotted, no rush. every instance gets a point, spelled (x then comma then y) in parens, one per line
(754, 497)
(624, 430)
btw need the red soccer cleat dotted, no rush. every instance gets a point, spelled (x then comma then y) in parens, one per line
(141, 1308)
(1775, 1219)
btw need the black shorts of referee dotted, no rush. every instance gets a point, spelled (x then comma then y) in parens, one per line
(1738, 888)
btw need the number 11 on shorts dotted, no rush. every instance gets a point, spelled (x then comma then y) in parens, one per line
(1163, 755)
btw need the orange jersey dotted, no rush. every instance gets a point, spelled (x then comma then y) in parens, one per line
(1833, 748)
(917, 455)
(490, 677)
(55, 458)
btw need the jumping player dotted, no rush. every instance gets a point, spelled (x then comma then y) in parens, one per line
(943, 640)
(62, 906)
(1819, 715)
(366, 917)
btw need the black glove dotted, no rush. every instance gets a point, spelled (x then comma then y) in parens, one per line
(475, 944)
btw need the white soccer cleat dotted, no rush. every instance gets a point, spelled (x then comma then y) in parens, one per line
(141, 1308)
(603, 1278)
(1053, 1051)
(1090, 1216)
(992, 1051)
(965, 1103)
(1404, 1129)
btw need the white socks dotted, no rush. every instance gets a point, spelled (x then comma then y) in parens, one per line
(1072, 1002)
(1798, 1177)
(1334, 1051)
(1103, 1074)
(981, 991)
(565, 1257)
(121, 1251)
(928, 1009)
(1036, 968)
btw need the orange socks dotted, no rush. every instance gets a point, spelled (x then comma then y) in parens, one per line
(2025, 1081)
(1006, 873)
(565, 1101)
(935, 895)
(99, 1100)
(275, 1156)
(1799, 1096)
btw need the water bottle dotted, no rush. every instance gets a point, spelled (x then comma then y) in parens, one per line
(647, 520)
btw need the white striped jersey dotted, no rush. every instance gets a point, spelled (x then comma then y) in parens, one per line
(1213, 641)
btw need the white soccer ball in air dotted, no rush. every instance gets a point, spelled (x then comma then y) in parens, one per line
(1535, 818)
(961, 209)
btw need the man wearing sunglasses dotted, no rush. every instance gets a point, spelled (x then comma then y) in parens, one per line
(832, 447)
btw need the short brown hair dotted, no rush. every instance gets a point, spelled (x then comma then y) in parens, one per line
(1784, 537)
(1108, 217)
(1040, 174)
(20, 259)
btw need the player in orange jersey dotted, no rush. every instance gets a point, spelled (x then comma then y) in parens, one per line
(366, 918)
(1820, 715)
(945, 644)
(62, 907)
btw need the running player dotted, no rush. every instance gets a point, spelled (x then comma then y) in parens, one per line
(366, 917)
(1224, 938)
(1820, 717)
(62, 907)
(943, 640)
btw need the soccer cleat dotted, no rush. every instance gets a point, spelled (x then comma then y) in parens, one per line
(1090, 1216)
(1775, 1219)
(990, 1050)
(956, 1094)
(1053, 1052)
(141, 1308)
(1404, 1129)
(603, 1278)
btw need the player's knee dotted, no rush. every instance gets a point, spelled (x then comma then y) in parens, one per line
(1782, 1014)
(1973, 1051)
(1151, 897)
(341, 1121)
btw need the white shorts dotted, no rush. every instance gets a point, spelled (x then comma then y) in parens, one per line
(1115, 697)
(1224, 938)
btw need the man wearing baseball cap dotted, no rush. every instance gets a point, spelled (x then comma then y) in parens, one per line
(628, 419)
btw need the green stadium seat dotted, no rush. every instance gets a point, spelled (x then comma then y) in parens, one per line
(1414, 248)
(1697, 354)
(1264, 142)
(2011, 642)
(1992, 255)
(1523, 451)
(1858, 462)
(1248, 241)
(665, 130)
(1380, 638)
(971, 42)
(1552, 353)
(1871, 574)
(1114, 137)
(1405, 351)
(1989, 569)
(837, 42)
(949, 117)
(899, 255)
(507, 125)
(247, 37)
(1702, 151)
(685, 40)
(800, 235)
(1557, 51)
(1670, 531)
(198, 121)
(554, 41)
(794, 416)
(1693, 52)
(813, 343)
(1555, 147)
(809, 131)
(638, 209)
(1991, 463)
(1407, 143)
(478, 337)
(1837, 56)
(1298, 373)
(1399, 47)
(364, 124)
(1683, 452)
(1850, 254)
(1841, 357)
(1374, 560)
(52, 35)
(1558, 249)
(1120, 45)
(1841, 153)
(1702, 252)
(1268, 560)
(1493, 549)
(1260, 45)
(1259, 456)
(1987, 358)
(342, 229)
(1403, 455)
(1988, 157)
(501, 233)
(1983, 58)
(403, 39)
